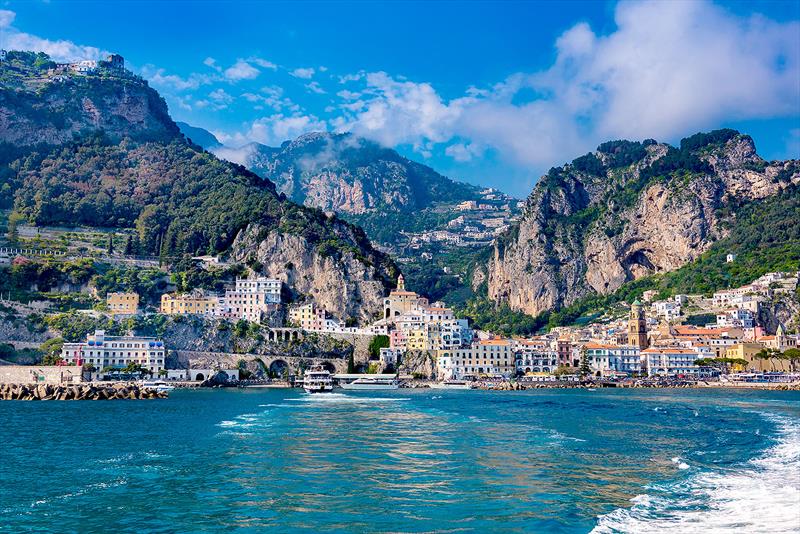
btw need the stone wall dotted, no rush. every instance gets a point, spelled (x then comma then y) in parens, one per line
(40, 374)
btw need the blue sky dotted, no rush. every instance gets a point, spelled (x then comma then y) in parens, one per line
(491, 93)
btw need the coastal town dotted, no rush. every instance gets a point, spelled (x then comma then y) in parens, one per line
(721, 339)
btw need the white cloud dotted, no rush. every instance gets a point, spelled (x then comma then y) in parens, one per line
(667, 70)
(263, 63)
(62, 50)
(212, 63)
(241, 70)
(463, 152)
(305, 74)
(159, 78)
(6, 18)
(273, 130)
(239, 155)
(277, 128)
(315, 87)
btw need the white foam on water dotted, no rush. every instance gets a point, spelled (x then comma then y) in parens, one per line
(760, 496)
(340, 398)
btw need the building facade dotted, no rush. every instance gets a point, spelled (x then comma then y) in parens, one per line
(637, 326)
(196, 302)
(122, 303)
(116, 351)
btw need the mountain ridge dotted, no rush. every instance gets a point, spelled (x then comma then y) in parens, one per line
(626, 211)
(137, 171)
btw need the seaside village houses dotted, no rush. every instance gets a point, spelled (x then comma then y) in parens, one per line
(102, 352)
(649, 342)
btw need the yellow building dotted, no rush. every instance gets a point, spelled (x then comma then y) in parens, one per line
(748, 351)
(194, 303)
(307, 317)
(122, 303)
(417, 339)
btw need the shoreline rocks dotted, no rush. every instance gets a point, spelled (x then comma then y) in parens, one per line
(116, 391)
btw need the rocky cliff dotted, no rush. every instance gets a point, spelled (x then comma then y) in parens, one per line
(40, 104)
(628, 210)
(121, 162)
(339, 279)
(348, 174)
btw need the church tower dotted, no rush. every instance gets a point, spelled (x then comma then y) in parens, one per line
(637, 326)
(401, 283)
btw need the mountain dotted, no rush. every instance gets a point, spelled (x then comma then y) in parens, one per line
(348, 174)
(199, 136)
(39, 104)
(131, 168)
(627, 211)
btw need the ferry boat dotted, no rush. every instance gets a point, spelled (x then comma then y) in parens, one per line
(158, 385)
(317, 380)
(451, 384)
(372, 383)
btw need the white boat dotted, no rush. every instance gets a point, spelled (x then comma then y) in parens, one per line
(317, 380)
(451, 384)
(372, 383)
(158, 385)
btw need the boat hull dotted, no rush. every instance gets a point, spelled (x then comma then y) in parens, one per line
(319, 389)
(369, 387)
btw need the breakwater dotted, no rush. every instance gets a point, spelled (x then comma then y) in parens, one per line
(117, 391)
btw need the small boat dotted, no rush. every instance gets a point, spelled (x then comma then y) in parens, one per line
(317, 380)
(451, 384)
(158, 385)
(372, 383)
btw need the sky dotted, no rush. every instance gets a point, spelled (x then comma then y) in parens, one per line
(489, 93)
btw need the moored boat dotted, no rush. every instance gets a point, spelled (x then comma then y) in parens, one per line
(158, 385)
(372, 383)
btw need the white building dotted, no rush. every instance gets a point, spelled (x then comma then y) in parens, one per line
(613, 359)
(115, 351)
(667, 309)
(253, 297)
(671, 361)
(490, 357)
(737, 317)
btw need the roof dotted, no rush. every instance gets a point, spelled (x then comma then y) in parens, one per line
(494, 342)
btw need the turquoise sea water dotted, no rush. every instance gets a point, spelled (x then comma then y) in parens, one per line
(405, 461)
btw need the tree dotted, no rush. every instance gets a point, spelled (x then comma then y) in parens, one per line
(129, 246)
(52, 350)
(768, 354)
(13, 232)
(584, 369)
(351, 364)
(793, 356)
(110, 247)
(376, 344)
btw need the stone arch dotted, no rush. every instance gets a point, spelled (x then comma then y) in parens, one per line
(536, 370)
(527, 369)
(328, 366)
(279, 368)
(199, 376)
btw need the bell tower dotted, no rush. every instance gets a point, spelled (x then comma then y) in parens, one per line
(637, 326)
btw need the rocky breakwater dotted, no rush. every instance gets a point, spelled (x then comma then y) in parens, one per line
(117, 391)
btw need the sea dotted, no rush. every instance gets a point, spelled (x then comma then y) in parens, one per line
(416, 460)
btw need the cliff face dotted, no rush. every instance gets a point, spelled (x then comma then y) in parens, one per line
(347, 174)
(123, 163)
(337, 280)
(61, 109)
(627, 211)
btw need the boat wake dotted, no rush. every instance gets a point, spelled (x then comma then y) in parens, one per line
(760, 496)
